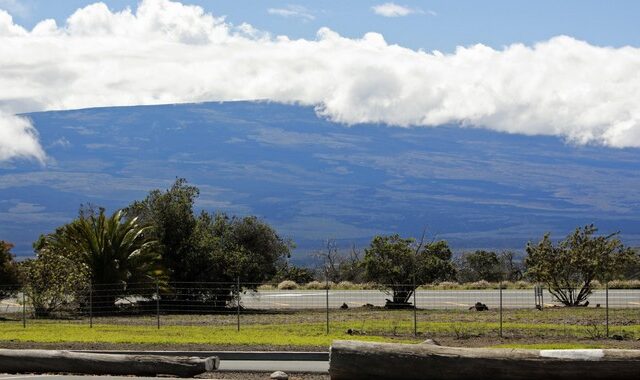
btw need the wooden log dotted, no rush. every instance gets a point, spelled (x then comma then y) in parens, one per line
(49, 361)
(361, 360)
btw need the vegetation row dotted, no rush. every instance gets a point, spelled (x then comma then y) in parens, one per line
(162, 241)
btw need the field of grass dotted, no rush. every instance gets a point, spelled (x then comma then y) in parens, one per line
(308, 328)
(276, 335)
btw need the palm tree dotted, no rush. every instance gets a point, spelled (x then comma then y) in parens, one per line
(119, 252)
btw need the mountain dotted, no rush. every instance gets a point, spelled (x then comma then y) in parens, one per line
(313, 179)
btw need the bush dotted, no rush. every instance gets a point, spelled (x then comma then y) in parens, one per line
(315, 285)
(346, 285)
(482, 284)
(287, 285)
(624, 284)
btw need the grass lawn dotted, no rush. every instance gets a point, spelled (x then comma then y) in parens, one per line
(276, 335)
(551, 328)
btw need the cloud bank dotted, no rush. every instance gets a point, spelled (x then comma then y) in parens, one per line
(167, 52)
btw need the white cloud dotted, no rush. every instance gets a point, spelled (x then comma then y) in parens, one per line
(18, 138)
(15, 7)
(296, 11)
(167, 52)
(392, 10)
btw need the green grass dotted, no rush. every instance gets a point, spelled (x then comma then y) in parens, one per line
(307, 328)
(273, 335)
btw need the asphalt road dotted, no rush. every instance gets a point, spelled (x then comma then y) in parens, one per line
(225, 366)
(425, 299)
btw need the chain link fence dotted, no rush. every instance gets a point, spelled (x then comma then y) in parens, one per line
(459, 313)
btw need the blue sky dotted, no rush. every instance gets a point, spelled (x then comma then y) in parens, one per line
(436, 25)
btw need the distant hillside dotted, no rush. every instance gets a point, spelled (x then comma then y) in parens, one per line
(314, 179)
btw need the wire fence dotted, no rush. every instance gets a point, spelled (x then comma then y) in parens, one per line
(461, 313)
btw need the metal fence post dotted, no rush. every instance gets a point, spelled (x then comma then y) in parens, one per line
(500, 286)
(606, 303)
(327, 301)
(24, 310)
(238, 300)
(90, 304)
(415, 308)
(158, 304)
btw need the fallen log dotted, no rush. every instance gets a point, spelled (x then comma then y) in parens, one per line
(361, 360)
(49, 361)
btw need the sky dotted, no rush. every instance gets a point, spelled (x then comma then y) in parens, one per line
(430, 25)
(567, 69)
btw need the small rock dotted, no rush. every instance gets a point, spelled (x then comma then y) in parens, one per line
(431, 341)
(344, 306)
(279, 375)
(479, 306)
(617, 337)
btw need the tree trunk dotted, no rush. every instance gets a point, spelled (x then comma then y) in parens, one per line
(361, 360)
(46, 361)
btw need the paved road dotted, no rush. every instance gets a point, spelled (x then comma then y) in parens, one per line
(225, 366)
(439, 299)
(426, 299)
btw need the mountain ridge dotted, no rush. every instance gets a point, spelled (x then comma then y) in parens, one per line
(314, 179)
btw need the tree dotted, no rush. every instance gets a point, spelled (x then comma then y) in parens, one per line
(402, 265)
(211, 249)
(171, 214)
(9, 274)
(55, 280)
(569, 268)
(512, 269)
(488, 266)
(480, 265)
(226, 249)
(244, 247)
(120, 253)
(338, 266)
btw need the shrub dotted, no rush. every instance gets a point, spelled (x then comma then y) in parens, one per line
(482, 284)
(346, 285)
(626, 284)
(287, 285)
(315, 285)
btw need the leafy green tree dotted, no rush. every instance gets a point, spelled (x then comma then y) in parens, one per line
(209, 248)
(55, 280)
(480, 265)
(244, 247)
(401, 265)
(227, 248)
(171, 214)
(120, 253)
(569, 268)
(10, 279)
